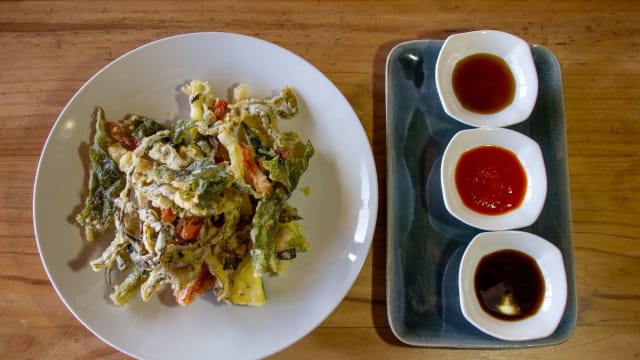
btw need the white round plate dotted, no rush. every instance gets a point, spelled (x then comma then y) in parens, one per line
(339, 215)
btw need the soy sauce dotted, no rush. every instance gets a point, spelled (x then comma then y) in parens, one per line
(509, 285)
(483, 83)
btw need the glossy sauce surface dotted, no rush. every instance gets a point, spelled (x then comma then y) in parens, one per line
(490, 180)
(483, 83)
(509, 285)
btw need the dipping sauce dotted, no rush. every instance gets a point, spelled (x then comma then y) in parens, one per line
(509, 285)
(483, 83)
(490, 180)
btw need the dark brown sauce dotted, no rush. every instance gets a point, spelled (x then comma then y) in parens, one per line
(483, 83)
(509, 285)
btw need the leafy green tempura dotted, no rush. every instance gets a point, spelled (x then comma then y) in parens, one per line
(142, 126)
(203, 179)
(106, 182)
(289, 170)
(265, 227)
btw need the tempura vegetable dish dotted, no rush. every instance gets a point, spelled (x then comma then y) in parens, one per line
(201, 205)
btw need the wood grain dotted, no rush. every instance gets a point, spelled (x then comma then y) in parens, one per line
(48, 49)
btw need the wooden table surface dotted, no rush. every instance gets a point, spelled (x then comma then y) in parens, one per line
(48, 49)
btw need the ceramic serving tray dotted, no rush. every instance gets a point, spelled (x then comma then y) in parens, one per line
(425, 243)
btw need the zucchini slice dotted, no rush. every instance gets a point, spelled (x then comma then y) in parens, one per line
(247, 288)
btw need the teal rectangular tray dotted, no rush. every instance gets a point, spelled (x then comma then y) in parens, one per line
(424, 242)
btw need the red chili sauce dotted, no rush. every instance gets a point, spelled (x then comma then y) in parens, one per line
(490, 180)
